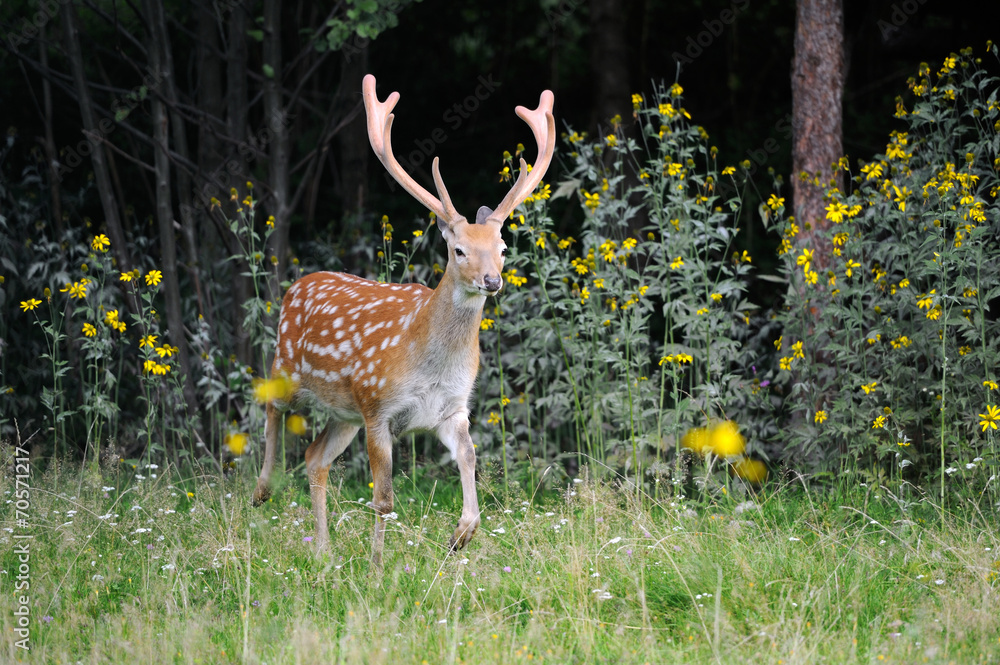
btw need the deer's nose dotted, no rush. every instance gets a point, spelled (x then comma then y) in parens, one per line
(492, 283)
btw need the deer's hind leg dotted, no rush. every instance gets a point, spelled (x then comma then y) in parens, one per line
(327, 446)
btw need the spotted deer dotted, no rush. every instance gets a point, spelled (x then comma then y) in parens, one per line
(395, 358)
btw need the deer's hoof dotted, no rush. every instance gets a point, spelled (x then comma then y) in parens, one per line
(261, 494)
(464, 532)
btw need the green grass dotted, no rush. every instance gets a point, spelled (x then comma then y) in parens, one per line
(848, 574)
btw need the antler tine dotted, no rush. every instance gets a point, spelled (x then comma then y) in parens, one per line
(380, 135)
(543, 127)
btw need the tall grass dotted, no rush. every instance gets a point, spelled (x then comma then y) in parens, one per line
(180, 568)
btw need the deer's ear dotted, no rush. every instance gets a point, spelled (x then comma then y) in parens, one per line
(482, 214)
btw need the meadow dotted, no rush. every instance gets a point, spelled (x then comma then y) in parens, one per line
(671, 467)
(157, 567)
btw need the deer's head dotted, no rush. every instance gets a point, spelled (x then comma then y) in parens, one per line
(475, 251)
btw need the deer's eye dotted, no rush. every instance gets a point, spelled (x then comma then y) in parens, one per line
(459, 252)
(503, 252)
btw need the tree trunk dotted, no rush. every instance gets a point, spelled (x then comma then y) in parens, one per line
(51, 156)
(164, 207)
(97, 157)
(236, 115)
(817, 89)
(609, 60)
(278, 200)
(352, 141)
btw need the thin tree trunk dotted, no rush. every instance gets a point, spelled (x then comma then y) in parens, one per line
(97, 156)
(51, 156)
(236, 112)
(278, 201)
(352, 141)
(817, 89)
(164, 206)
(609, 60)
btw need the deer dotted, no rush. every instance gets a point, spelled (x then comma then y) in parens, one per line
(397, 358)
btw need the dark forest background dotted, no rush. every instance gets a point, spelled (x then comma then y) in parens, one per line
(187, 100)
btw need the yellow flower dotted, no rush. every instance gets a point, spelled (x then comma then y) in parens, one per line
(990, 384)
(696, 440)
(611, 140)
(126, 277)
(725, 439)
(774, 202)
(785, 363)
(30, 304)
(819, 417)
(584, 295)
(868, 388)
(281, 388)
(717, 297)
(153, 277)
(835, 212)
(750, 470)
(166, 350)
(296, 424)
(236, 442)
(797, 351)
(494, 418)
(76, 289)
(100, 243)
(777, 342)
(851, 265)
(676, 263)
(925, 301)
(148, 340)
(89, 330)
(878, 422)
(990, 418)
(729, 170)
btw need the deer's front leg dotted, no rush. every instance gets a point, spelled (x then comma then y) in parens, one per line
(454, 433)
(380, 459)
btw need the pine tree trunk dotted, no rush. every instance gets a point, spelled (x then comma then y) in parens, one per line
(817, 88)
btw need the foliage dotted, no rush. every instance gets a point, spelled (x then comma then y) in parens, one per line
(899, 369)
(611, 342)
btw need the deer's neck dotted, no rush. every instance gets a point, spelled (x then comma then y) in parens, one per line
(452, 318)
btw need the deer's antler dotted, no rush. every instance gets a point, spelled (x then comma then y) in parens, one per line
(543, 126)
(380, 134)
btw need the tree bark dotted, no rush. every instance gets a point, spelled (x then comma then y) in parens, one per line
(159, 64)
(609, 60)
(352, 141)
(91, 130)
(236, 115)
(278, 200)
(817, 89)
